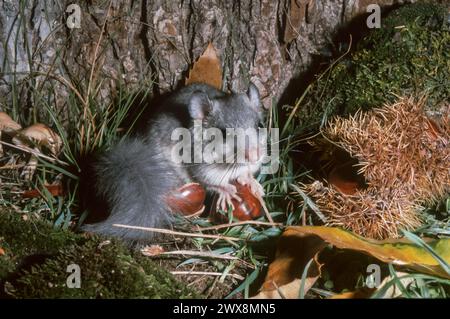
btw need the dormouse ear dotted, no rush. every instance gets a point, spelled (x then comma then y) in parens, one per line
(253, 96)
(199, 105)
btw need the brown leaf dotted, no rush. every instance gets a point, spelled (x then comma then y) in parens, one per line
(54, 190)
(399, 252)
(299, 244)
(2, 251)
(283, 279)
(297, 11)
(153, 250)
(207, 69)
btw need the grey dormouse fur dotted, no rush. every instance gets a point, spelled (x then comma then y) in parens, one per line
(133, 177)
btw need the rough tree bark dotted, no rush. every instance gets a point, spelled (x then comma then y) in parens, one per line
(267, 42)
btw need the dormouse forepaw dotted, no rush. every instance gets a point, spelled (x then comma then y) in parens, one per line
(226, 195)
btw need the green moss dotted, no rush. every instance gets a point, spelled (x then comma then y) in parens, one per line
(37, 256)
(409, 54)
(20, 238)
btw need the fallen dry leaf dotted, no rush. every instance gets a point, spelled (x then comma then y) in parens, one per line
(54, 190)
(294, 252)
(297, 12)
(299, 244)
(207, 69)
(153, 250)
(2, 251)
(399, 252)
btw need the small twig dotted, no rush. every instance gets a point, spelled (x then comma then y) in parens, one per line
(12, 166)
(266, 211)
(176, 233)
(212, 288)
(35, 153)
(247, 222)
(205, 273)
(198, 253)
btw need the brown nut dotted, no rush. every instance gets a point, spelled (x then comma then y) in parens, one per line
(248, 209)
(187, 200)
(345, 178)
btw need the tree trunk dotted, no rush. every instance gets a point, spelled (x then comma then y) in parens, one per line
(268, 42)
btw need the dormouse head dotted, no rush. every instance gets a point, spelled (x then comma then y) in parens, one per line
(232, 126)
(228, 110)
